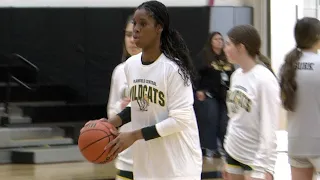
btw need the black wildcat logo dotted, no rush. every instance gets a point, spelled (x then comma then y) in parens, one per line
(143, 103)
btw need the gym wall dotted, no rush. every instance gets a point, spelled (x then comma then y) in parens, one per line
(81, 46)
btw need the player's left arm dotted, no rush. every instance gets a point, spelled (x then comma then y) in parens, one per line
(180, 106)
(270, 105)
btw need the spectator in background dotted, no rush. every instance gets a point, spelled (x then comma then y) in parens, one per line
(213, 83)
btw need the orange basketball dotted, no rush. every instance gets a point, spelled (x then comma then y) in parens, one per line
(93, 138)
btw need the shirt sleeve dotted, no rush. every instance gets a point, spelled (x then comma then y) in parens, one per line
(180, 107)
(111, 107)
(270, 105)
(117, 85)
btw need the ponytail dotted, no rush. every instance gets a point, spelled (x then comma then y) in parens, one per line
(174, 47)
(288, 82)
(265, 61)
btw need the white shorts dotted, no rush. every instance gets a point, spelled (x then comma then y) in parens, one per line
(305, 162)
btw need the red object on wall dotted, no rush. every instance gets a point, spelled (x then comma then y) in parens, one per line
(211, 2)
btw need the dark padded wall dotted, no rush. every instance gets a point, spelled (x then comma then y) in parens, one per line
(81, 46)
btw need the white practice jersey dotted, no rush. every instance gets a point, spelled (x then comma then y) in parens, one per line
(253, 106)
(159, 97)
(304, 122)
(118, 84)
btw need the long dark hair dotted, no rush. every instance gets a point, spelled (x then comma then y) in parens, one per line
(208, 52)
(125, 54)
(250, 38)
(172, 44)
(307, 34)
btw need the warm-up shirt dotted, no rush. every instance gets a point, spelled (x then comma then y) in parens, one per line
(162, 101)
(253, 105)
(304, 122)
(118, 84)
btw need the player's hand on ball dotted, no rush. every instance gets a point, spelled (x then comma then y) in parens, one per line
(120, 143)
(92, 121)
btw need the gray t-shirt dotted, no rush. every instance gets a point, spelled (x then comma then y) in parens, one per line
(304, 123)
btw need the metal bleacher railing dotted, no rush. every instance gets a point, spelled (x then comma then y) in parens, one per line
(12, 78)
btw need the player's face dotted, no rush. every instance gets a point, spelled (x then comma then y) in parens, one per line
(231, 51)
(131, 47)
(144, 29)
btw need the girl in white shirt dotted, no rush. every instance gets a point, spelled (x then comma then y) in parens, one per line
(118, 100)
(164, 139)
(300, 86)
(253, 107)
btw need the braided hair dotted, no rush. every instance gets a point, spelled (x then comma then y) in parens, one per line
(172, 44)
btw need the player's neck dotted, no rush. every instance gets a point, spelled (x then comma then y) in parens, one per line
(150, 54)
(247, 64)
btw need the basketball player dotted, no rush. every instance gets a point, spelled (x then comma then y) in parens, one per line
(118, 100)
(253, 106)
(165, 132)
(300, 87)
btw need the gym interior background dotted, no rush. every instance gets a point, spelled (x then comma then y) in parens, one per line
(59, 55)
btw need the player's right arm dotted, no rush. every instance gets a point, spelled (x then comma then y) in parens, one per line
(120, 119)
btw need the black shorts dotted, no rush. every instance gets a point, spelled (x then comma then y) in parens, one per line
(236, 164)
(236, 167)
(124, 175)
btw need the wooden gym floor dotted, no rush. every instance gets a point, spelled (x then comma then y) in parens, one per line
(87, 171)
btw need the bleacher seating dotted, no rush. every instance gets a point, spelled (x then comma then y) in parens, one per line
(43, 122)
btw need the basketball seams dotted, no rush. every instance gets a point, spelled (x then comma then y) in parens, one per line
(94, 130)
(99, 156)
(104, 138)
(95, 142)
(107, 160)
(105, 125)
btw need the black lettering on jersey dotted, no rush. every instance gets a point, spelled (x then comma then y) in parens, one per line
(241, 87)
(150, 94)
(145, 90)
(133, 92)
(155, 94)
(140, 91)
(151, 82)
(139, 81)
(161, 99)
(305, 66)
(146, 95)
